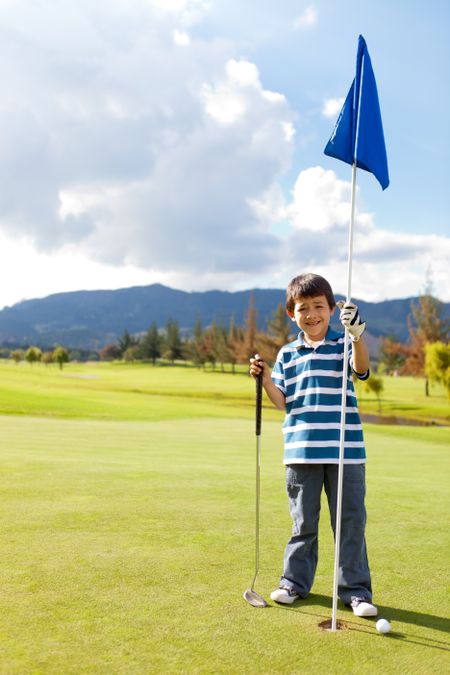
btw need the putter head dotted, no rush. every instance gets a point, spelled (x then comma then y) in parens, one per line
(254, 599)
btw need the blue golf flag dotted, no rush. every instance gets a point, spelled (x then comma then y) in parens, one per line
(358, 134)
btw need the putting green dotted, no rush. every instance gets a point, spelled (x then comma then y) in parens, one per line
(126, 547)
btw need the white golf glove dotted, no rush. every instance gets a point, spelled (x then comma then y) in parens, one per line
(351, 320)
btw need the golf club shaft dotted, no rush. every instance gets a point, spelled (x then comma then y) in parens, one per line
(258, 471)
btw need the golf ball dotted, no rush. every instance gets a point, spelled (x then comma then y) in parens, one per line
(383, 626)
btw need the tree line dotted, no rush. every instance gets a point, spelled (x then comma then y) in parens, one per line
(59, 355)
(216, 345)
(426, 353)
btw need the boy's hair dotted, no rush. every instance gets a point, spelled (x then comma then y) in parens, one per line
(308, 286)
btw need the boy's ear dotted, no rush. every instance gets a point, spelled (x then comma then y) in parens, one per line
(332, 311)
(290, 315)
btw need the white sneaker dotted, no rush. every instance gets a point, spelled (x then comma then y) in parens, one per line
(285, 596)
(362, 607)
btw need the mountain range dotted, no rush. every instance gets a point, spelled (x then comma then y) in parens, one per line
(91, 319)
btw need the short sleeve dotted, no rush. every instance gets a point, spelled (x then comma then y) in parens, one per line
(361, 376)
(278, 374)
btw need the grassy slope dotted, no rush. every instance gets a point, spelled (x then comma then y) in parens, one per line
(120, 391)
(405, 397)
(126, 545)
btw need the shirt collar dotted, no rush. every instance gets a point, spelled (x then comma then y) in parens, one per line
(331, 335)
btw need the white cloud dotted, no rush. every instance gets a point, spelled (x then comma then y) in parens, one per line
(189, 11)
(385, 264)
(135, 151)
(307, 18)
(181, 38)
(228, 100)
(34, 274)
(320, 201)
(332, 107)
(136, 160)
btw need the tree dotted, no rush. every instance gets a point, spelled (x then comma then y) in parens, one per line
(280, 326)
(210, 345)
(437, 363)
(375, 385)
(173, 342)
(18, 355)
(222, 347)
(60, 356)
(425, 325)
(392, 354)
(150, 347)
(132, 353)
(196, 347)
(33, 354)
(109, 353)
(278, 334)
(215, 345)
(125, 342)
(234, 342)
(248, 344)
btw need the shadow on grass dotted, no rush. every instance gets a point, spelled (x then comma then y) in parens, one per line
(393, 614)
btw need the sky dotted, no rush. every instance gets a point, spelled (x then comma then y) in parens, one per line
(181, 142)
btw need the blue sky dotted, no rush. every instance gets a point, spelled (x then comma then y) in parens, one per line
(181, 142)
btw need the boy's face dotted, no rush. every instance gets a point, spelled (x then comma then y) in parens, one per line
(312, 315)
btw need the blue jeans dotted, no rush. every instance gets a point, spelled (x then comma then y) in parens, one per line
(304, 484)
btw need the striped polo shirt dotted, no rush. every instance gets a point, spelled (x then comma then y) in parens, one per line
(311, 380)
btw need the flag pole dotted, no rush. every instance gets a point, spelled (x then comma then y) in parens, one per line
(337, 535)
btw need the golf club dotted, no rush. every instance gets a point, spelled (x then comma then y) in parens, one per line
(250, 595)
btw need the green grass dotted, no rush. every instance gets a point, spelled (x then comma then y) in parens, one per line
(404, 397)
(126, 544)
(119, 391)
(142, 392)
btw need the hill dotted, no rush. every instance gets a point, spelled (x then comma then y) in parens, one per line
(91, 319)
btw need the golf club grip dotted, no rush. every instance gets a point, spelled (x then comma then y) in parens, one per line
(259, 389)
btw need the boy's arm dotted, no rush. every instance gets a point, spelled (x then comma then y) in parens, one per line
(361, 359)
(257, 366)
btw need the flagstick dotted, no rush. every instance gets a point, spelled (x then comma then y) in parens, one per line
(337, 542)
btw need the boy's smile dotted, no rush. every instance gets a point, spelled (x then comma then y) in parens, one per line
(312, 315)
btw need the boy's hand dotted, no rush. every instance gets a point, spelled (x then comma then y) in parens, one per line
(257, 366)
(351, 320)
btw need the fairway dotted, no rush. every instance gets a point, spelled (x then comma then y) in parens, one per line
(127, 544)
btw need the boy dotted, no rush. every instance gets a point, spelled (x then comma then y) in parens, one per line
(306, 382)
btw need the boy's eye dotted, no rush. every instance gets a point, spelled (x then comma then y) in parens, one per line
(305, 309)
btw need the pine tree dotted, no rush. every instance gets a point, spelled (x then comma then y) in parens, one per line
(125, 342)
(277, 336)
(196, 346)
(223, 350)
(235, 339)
(249, 341)
(173, 342)
(150, 347)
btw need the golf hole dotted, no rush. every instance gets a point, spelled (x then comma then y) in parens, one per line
(326, 625)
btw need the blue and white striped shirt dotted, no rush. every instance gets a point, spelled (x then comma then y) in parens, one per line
(311, 380)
